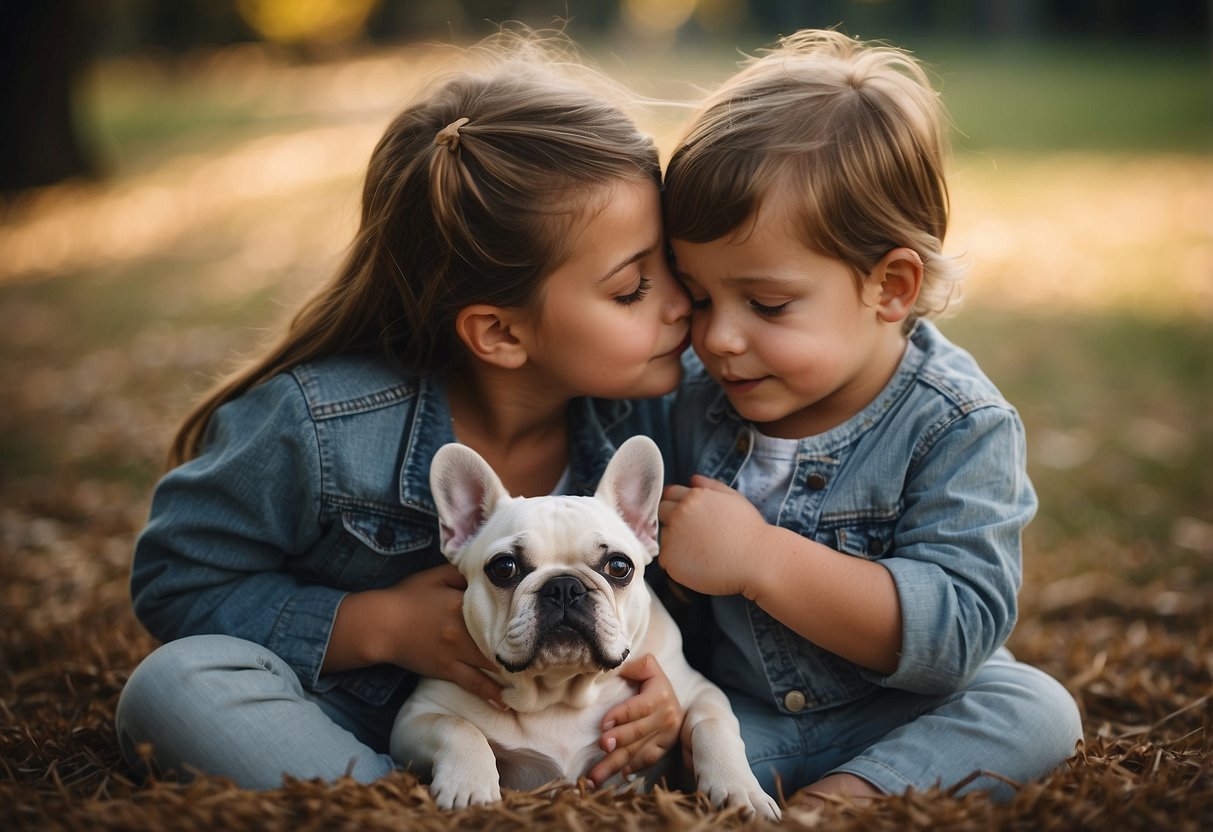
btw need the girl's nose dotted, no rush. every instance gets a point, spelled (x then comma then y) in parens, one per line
(675, 302)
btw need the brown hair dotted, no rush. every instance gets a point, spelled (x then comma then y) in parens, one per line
(851, 134)
(458, 212)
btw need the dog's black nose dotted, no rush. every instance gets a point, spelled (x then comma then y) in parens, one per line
(563, 592)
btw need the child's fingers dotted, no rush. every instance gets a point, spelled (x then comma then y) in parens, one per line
(630, 733)
(609, 766)
(648, 755)
(641, 669)
(674, 492)
(638, 731)
(700, 481)
(627, 713)
(473, 681)
(648, 745)
(627, 759)
(650, 700)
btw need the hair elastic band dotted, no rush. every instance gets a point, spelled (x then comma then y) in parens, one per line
(449, 135)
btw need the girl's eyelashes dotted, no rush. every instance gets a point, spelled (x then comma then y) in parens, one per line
(700, 303)
(637, 294)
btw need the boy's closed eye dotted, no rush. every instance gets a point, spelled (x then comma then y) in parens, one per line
(769, 311)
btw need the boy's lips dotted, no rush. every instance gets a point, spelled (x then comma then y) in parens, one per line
(734, 384)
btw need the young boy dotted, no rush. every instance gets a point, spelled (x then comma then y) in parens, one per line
(860, 485)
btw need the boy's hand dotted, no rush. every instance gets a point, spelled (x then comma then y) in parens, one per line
(709, 533)
(637, 733)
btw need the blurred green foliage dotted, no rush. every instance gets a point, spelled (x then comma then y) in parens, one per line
(1027, 95)
(1047, 95)
(1116, 408)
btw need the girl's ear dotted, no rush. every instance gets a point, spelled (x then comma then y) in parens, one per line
(899, 275)
(486, 331)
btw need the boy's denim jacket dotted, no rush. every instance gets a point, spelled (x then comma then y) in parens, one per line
(929, 480)
(312, 485)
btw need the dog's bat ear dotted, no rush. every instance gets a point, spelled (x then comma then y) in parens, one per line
(632, 483)
(465, 492)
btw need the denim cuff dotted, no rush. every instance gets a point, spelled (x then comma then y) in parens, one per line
(930, 655)
(301, 633)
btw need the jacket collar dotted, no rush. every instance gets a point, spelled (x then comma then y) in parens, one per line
(429, 430)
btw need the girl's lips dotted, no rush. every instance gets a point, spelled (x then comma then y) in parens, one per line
(680, 349)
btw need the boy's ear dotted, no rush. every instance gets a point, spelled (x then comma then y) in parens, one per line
(899, 275)
(486, 331)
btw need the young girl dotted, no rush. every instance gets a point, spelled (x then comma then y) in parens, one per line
(507, 288)
(864, 572)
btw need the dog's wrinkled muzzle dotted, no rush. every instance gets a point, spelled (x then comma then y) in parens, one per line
(567, 624)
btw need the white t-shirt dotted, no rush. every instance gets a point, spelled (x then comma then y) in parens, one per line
(766, 474)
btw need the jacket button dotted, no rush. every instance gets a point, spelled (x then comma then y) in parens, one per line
(794, 701)
(385, 536)
(743, 443)
(876, 547)
(816, 481)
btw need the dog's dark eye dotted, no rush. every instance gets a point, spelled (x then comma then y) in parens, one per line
(618, 568)
(502, 569)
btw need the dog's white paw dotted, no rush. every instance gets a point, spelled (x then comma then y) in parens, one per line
(753, 801)
(726, 789)
(457, 787)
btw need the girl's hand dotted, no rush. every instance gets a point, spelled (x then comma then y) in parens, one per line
(709, 534)
(433, 640)
(637, 733)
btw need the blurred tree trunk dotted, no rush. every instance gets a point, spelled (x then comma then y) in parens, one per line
(41, 51)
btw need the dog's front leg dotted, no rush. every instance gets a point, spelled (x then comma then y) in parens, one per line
(719, 759)
(464, 766)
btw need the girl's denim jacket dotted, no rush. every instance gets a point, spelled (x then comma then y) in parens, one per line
(312, 485)
(929, 480)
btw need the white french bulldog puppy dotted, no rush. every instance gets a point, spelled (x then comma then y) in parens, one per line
(556, 596)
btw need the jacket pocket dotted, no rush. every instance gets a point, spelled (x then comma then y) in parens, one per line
(385, 548)
(869, 540)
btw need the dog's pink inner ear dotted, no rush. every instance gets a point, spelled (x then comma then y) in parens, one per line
(467, 497)
(634, 497)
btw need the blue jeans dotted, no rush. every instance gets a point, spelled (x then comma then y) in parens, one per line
(221, 705)
(1010, 719)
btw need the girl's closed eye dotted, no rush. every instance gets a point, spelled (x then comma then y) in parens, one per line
(637, 294)
(700, 303)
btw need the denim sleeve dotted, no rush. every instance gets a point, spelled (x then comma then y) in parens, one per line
(215, 555)
(958, 558)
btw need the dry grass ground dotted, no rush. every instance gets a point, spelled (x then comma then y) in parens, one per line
(1089, 304)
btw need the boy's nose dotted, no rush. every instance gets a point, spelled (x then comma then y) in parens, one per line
(720, 337)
